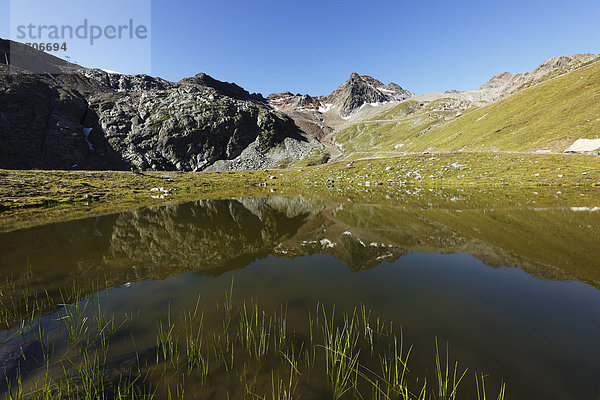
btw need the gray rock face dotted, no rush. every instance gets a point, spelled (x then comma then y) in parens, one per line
(128, 83)
(226, 89)
(359, 90)
(294, 102)
(41, 120)
(348, 97)
(84, 118)
(320, 116)
(507, 82)
(188, 128)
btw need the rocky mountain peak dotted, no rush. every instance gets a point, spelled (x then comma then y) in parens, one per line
(318, 116)
(224, 88)
(359, 90)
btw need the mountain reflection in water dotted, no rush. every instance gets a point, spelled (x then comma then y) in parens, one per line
(209, 237)
(436, 272)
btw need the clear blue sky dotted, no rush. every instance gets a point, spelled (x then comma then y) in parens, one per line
(102, 53)
(313, 46)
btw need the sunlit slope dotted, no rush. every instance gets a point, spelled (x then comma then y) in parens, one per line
(394, 129)
(547, 116)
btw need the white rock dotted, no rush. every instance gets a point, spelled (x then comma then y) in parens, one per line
(326, 243)
(583, 145)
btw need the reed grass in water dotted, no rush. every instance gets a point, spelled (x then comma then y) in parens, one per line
(249, 352)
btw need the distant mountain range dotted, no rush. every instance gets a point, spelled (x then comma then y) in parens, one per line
(546, 110)
(79, 118)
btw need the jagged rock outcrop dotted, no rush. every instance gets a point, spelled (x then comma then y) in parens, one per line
(360, 97)
(507, 82)
(41, 120)
(128, 83)
(350, 96)
(187, 128)
(226, 89)
(93, 119)
(294, 102)
(360, 90)
(306, 111)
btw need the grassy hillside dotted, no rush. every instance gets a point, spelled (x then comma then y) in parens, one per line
(547, 116)
(391, 130)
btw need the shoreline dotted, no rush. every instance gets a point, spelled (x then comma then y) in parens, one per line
(27, 197)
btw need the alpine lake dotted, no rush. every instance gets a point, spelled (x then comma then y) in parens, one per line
(430, 296)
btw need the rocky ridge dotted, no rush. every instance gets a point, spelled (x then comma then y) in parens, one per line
(360, 97)
(507, 82)
(357, 92)
(418, 123)
(363, 98)
(76, 117)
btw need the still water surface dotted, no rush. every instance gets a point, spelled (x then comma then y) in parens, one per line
(514, 292)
